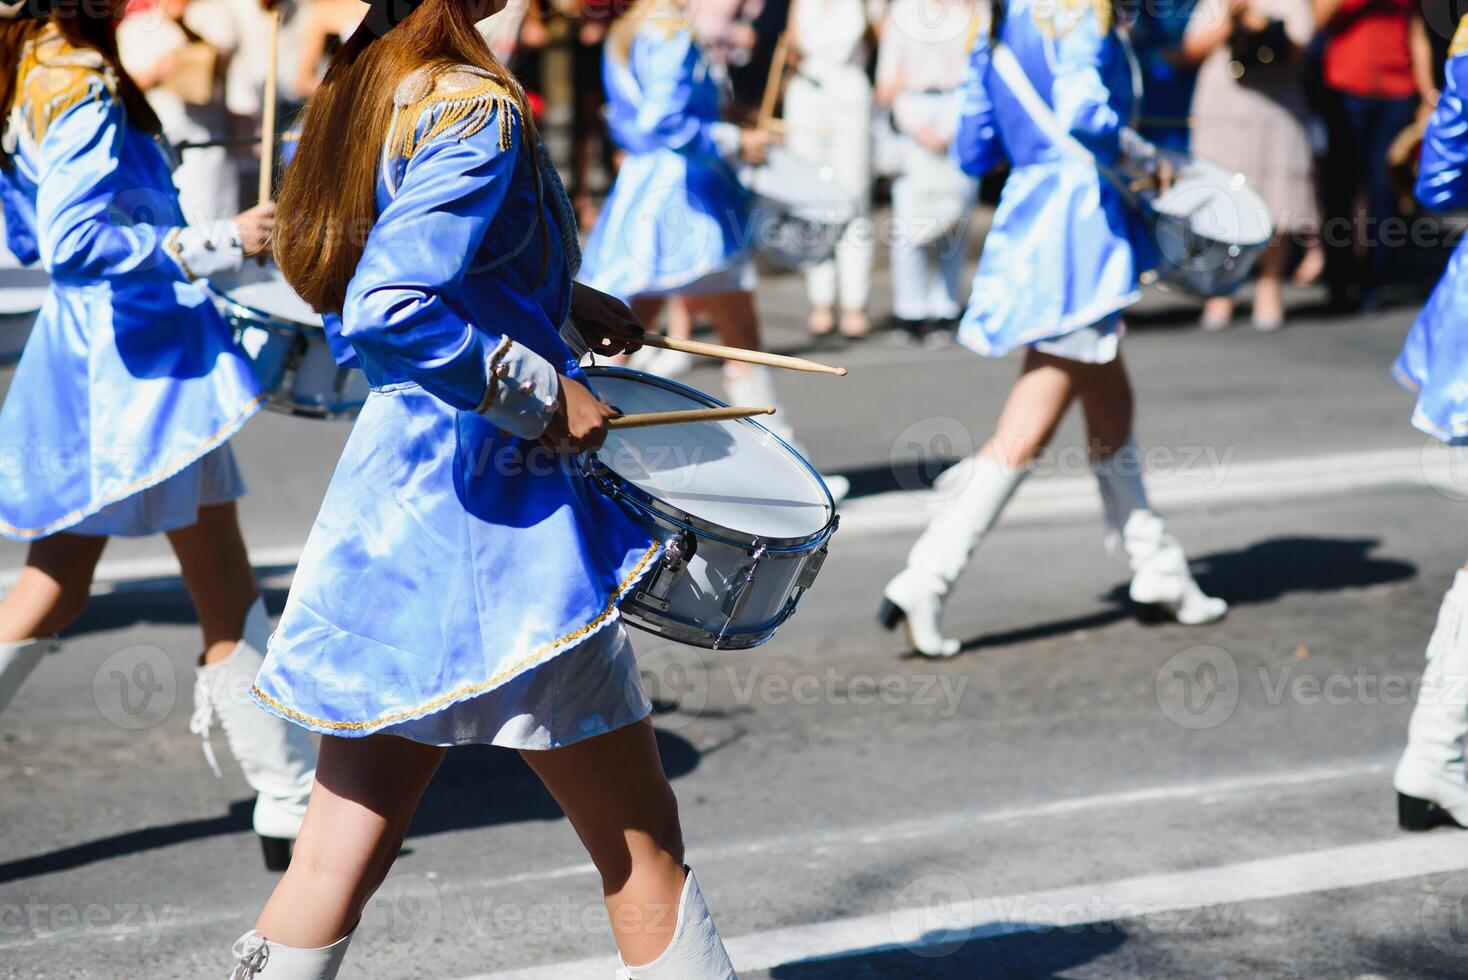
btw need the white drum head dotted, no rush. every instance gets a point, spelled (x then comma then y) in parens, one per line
(805, 189)
(732, 474)
(265, 290)
(1218, 205)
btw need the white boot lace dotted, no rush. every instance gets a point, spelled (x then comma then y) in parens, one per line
(252, 953)
(203, 719)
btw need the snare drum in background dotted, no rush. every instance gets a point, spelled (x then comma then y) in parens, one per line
(1211, 226)
(22, 293)
(745, 521)
(799, 211)
(286, 345)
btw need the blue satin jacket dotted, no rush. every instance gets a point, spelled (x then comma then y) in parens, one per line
(1064, 251)
(451, 553)
(677, 211)
(130, 374)
(1434, 361)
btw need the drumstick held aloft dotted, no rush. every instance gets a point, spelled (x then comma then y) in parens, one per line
(740, 354)
(646, 419)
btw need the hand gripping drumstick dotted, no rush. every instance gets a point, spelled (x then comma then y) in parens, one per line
(691, 415)
(740, 354)
(267, 123)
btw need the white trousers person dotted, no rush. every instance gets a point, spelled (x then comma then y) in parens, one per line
(1431, 779)
(830, 126)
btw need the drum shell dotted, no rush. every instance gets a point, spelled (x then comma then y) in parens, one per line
(294, 365)
(15, 330)
(1201, 265)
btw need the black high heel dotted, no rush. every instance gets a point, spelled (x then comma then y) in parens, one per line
(890, 615)
(1417, 815)
(277, 851)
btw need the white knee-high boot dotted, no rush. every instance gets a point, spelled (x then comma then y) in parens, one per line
(1431, 780)
(17, 660)
(695, 953)
(278, 759)
(916, 595)
(1161, 579)
(754, 385)
(256, 956)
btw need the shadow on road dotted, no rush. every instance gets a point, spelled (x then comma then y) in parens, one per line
(1026, 955)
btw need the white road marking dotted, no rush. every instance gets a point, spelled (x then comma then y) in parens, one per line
(946, 925)
(1042, 499)
(841, 838)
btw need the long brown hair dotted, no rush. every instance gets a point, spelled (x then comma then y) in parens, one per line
(327, 203)
(82, 25)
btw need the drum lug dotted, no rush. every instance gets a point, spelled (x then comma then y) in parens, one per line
(812, 568)
(677, 552)
(740, 588)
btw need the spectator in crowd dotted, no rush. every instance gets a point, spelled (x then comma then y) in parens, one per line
(1250, 115)
(326, 25)
(828, 107)
(920, 63)
(1378, 74)
(1167, 74)
(177, 50)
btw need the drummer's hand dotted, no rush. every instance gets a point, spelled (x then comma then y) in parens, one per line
(580, 422)
(256, 226)
(754, 144)
(1165, 175)
(929, 138)
(605, 322)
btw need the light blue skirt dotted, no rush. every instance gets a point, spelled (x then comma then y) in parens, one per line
(172, 504)
(1433, 363)
(447, 560)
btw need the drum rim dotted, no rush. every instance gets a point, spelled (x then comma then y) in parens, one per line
(234, 310)
(600, 473)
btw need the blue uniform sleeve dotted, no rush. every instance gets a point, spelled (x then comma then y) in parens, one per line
(1081, 100)
(90, 227)
(417, 254)
(976, 146)
(668, 73)
(1442, 175)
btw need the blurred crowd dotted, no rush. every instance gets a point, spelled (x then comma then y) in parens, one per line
(1318, 102)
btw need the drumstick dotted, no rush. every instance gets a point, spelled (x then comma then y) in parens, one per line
(819, 132)
(772, 81)
(740, 354)
(646, 419)
(267, 123)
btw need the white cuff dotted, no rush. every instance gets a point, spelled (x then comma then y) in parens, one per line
(524, 390)
(206, 250)
(726, 138)
(1137, 151)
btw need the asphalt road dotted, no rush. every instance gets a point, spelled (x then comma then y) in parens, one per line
(1077, 795)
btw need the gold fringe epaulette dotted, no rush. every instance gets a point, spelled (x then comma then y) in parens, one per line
(1460, 39)
(450, 102)
(54, 77)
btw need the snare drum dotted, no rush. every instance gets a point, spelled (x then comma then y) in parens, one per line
(799, 211)
(745, 521)
(1211, 226)
(286, 345)
(22, 293)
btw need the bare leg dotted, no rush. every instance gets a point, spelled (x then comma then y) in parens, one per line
(365, 794)
(734, 316)
(53, 586)
(1033, 411)
(616, 795)
(216, 569)
(1268, 290)
(1107, 401)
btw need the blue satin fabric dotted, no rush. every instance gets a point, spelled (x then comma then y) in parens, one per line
(130, 374)
(448, 558)
(1064, 251)
(676, 212)
(1434, 361)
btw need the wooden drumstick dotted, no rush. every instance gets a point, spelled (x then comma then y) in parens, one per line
(773, 80)
(646, 419)
(267, 122)
(740, 354)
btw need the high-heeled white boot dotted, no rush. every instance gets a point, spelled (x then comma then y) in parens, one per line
(256, 956)
(695, 953)
(1431, 779)
(754, 385)
(17, 660)
(278, 759)
(915, 597)
(1161, 580)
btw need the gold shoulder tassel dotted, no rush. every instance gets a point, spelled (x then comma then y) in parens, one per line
(464, 99)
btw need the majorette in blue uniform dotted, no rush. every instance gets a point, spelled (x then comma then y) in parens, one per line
(454, 560)
(1434, 361)
(677, 220)
(130, 384)
(1064, 253)
(1431, 779)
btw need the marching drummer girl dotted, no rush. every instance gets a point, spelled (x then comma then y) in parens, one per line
(1061, 263)
(461, 582)
(677, 222)
(118, 418)
(1431, 779)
